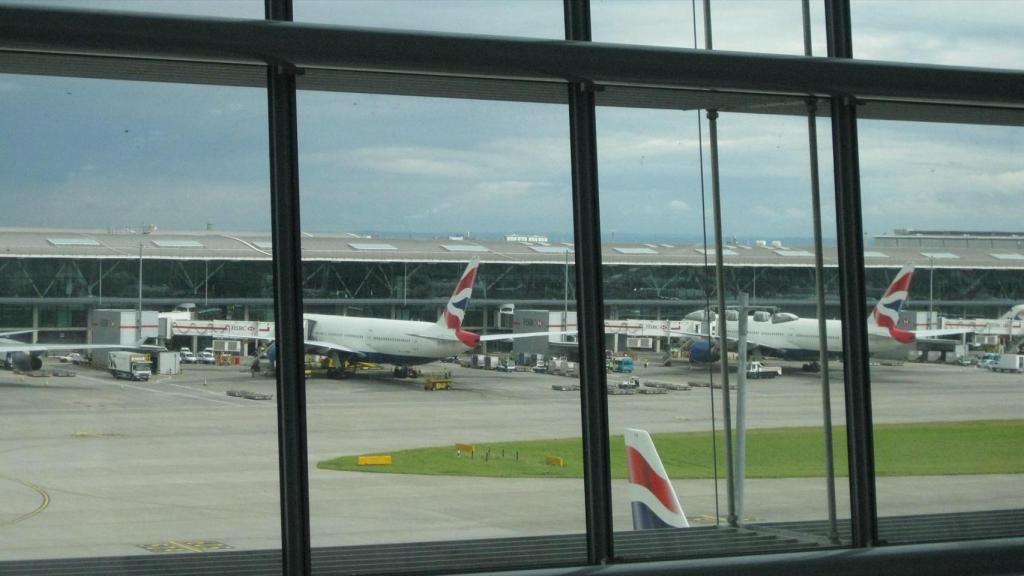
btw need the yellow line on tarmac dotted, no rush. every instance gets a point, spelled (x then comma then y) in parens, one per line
(42, 505)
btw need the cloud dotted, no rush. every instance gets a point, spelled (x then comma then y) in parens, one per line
(194, 153)
(414, 161)
(678, 206)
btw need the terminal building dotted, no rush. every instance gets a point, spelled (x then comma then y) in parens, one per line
(51, 279)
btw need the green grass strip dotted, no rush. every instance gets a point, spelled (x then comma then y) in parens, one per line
(932, 448)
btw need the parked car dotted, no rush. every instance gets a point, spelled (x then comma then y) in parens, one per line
(989, 360)
(74, 358)
(207, 357)
(187, 357)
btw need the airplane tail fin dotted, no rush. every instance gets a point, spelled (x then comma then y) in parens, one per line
(651, 495)
(886, 314)
(1015, 313)
(455, 311)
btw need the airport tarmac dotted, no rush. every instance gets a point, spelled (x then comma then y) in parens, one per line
(92, 466)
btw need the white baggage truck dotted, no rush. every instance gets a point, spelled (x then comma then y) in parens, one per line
(1009, 363)
(130, 365)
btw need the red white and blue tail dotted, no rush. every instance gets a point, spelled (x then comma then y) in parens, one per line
(455, 311)
(651, 495)
(886, 314)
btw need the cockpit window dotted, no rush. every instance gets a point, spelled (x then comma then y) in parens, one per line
(783, 317)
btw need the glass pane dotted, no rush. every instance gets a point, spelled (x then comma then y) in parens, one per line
(219, 8)
(665, 375)
(765, 26)
(942, 200)
(118, 201)
(408, 204)
(534, 18)
(982, 33)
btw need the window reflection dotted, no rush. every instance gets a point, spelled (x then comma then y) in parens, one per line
(431, 227)
(116, 195)
(657, 208)
(537, 18)
(960, 295)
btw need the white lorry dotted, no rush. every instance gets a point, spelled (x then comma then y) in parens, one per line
(1009, 363)
(757, 370)
(130, 365)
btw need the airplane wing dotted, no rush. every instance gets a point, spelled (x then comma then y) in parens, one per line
(322, 347)
(516, 335)
(729, 336)
(493, 337)
(932, 334)
(13, 346)
(935, 336)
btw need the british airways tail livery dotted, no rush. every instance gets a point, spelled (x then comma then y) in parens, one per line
(651, 496)
(886, 315)
(455, 311)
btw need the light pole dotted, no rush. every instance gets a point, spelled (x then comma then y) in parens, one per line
(931, 287)
(138, 314)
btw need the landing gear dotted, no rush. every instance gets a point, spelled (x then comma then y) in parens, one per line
(405, 372)
(341, 369)
(811, 367)
(343, 373)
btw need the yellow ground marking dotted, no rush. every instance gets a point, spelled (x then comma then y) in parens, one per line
(42, 505)
(172, 546)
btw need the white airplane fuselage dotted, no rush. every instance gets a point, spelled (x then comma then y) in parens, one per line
(798, 339)
(399, 342)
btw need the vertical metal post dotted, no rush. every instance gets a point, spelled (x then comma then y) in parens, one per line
(723, 341)
(819, 290)
(138, 313)
(863, 507)
(741, 405)
(590, 300)
(931, 290)
(287, 250)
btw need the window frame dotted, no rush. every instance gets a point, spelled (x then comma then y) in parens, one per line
(281, 55)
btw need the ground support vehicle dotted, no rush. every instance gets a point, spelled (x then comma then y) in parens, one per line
(757, 370)
(130, 365)
(1009, 363)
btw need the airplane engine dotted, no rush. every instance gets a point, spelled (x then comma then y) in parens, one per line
(24, 361)
(703, 352)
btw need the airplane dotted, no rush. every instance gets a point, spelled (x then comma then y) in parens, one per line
(1009, 324)
(788, 336)
(27, 356)
(348, 340)
(651, 497)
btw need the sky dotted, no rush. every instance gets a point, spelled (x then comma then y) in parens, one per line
(79, 153)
